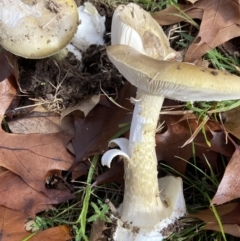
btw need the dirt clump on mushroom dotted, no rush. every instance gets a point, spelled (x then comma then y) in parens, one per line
(61, 84)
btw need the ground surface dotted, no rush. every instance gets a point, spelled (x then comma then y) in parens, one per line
(61, 84)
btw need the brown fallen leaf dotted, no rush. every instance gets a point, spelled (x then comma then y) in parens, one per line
(229, 187)
(233, 216)
(220, 23)
(12, 228)
(84, 106)
(36, 122)
(232, 123)
(113, 174)
(21, 197)
(97, 228)
(6, 69)
(172, 15)
(101, 124)
(218, 143)
(2, 170)
(228, 214)
(59, 233)
(80, 169)
(169, 144)
(12, 225)
(31, 156)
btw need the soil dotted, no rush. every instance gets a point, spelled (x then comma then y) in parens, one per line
(62, 84)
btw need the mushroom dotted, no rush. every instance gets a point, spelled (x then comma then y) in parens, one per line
(91, 29)
(37, 29)
(156, 79)
(186, 81)
(149, 205)
(133, 26)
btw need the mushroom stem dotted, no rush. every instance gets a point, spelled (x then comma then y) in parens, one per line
(141, 196)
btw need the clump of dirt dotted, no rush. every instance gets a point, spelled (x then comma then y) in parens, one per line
(61, 84)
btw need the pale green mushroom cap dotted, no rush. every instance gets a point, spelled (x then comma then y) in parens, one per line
(174, 80)
(37, 29)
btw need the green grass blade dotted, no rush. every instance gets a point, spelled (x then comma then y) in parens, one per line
(82, 220)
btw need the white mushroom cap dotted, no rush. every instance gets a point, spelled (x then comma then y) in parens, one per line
(37, 29)
(174, 80)
(133, 26)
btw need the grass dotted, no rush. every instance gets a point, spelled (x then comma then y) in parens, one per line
(80, 226)
(80, 213)
(200, 185)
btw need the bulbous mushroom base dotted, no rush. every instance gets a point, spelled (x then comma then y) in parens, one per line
(171, 194)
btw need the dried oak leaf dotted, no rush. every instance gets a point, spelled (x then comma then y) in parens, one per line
(97, 229)
(44, 123)
(229, 215)
(84, 106)
(59, 233)
(113, 174)
(12, 225)
(220, 23)
(172, 15)
(218, 143)
(31, 156)
(169, 144)
(12, 228)
(5, 67)
(21, 197)
(101, 124)
(229, 187)
(232, 123)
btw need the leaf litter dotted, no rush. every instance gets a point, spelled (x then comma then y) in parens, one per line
(229, 188)
(45, 123)
(228, 214)
(10, 218)
(220, 23)
(24, 151)
(95, 127)
(19, 196)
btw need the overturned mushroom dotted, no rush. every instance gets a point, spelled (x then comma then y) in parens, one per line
(37, 29)
(156, 79)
